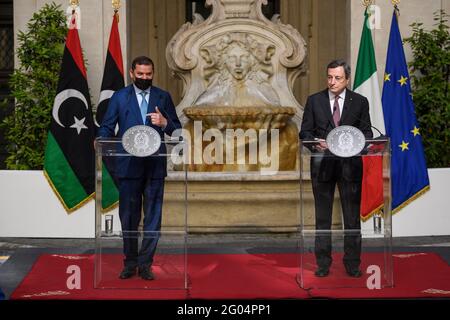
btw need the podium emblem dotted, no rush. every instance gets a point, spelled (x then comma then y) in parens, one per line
(141, 141)
(345, 141)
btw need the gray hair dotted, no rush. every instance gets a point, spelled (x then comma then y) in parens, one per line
(340, 63)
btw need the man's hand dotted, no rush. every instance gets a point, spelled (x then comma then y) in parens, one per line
(321, 145)
(157, 118)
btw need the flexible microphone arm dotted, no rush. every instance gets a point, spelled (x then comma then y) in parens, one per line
(381, 135)
(367, 123)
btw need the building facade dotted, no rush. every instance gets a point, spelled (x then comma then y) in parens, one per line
(331, 28)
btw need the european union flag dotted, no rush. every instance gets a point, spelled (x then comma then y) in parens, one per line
(409, 175)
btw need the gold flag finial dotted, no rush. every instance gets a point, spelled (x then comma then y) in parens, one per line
(116, 4)
(116, 7)
(397, 10)
(74, 3)
(367, 3)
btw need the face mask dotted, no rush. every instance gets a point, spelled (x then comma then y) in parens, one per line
(143, 84)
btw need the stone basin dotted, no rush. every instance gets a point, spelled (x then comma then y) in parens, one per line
(241, 117)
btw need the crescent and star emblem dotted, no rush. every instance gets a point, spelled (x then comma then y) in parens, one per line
(63, 96)
(104, 95)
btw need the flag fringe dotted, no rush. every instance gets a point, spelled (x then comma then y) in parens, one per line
(110, 208)
(374, 211)
(69, 210)
(404, 204)
(411, 199)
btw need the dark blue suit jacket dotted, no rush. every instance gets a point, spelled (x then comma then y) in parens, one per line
(123, 109)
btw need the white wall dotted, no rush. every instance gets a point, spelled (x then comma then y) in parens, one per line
(29, 208)
(429, 214)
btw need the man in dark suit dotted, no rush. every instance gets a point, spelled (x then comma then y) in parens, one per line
(140, 179)
(323, 112)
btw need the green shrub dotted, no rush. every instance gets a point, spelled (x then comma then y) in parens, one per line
(430, 77)
(33, 86)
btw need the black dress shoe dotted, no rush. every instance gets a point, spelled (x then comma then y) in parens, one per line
(146, 273)
(127, 272)
(322, 272)
(353, 272)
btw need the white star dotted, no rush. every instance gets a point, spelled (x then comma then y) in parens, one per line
(78, 124)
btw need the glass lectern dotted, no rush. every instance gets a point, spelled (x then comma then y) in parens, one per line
(169, 264)
(342, 246)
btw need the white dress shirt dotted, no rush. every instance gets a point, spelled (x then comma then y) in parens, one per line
(139, 96)
(340, 101)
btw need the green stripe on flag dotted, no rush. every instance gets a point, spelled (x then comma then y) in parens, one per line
(64, 181)
(110, 194)
(366, 65)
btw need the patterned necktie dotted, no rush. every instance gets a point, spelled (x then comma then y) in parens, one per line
(143, 106)
(336, 113)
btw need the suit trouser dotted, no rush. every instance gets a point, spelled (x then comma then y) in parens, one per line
(132, 192)
(350, 195)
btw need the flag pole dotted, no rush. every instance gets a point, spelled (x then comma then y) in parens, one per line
(73, 14)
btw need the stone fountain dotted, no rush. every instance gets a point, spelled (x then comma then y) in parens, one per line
(238, 70)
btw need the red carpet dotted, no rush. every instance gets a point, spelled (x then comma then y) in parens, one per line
(232, 276)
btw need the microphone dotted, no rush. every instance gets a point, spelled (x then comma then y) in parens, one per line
(372, 147)
(381, 136)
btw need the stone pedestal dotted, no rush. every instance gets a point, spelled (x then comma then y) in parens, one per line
(241, 203)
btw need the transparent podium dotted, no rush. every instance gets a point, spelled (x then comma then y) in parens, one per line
(170, 258)
(243, 234)
(352, 247)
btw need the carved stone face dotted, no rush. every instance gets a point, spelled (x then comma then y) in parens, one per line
(238, 62)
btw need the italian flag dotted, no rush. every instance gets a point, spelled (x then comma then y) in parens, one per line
(366, 84)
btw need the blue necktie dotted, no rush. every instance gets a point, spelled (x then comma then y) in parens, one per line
(143, 106)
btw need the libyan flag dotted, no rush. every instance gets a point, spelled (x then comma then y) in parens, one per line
(69, 154)
(112, 81)
(366, 84)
